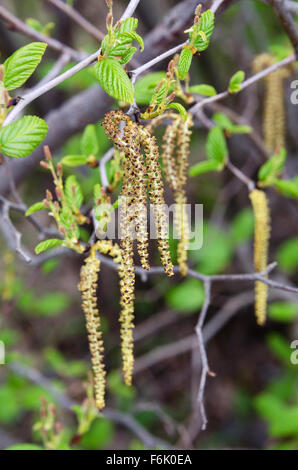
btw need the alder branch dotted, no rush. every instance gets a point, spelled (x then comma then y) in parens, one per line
(126, 420)
(77, 18)
(26, 30)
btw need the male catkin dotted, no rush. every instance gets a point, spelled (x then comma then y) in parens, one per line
(261, 243)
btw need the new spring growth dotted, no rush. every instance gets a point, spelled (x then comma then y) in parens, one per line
(261, 243)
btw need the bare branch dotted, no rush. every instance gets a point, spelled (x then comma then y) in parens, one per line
(78, 18)
(23, 28)
(130, 9)
(287, 21)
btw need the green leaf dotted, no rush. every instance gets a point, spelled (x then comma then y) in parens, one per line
(22, 63)
(236, 81)
(204, 167)
(216, 146)
(128, 55)
(178, 107)
(144, 87)
(184, 63)
(74, 160)
(21, 137)
(47, 245)
(38, 206)
(206, 26)
(288, 188)
(128, 25)
(99, 436)
(73, 192)
(287, 255)
(272, 168)
(225, 123)
(205, 90)
(114, 80)
(134, 37)
(285, 312)
(89, 144)
(186, 297)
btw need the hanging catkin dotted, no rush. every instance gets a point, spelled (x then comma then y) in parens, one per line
(87, 287)
(261, 243)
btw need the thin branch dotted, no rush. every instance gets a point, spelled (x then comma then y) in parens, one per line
(23, 28)
(34, 376)
(287, 21)
(212, 99)
(77, 18)
(102, 167)
(205, 366)
(291, 6)
(241, 176)
(130, 9)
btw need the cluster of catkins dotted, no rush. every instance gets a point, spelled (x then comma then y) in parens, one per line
(142, 180)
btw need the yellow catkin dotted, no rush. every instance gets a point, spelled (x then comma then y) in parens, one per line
(87, 287)
(261, 243)
(274, 108)
(123, 257)
(156, 197)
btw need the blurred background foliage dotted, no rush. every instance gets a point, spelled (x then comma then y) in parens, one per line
(253, 401)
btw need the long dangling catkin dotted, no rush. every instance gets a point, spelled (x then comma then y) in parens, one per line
(87, 287)
(156, 197)
(122, 256)
(261, 243)
(183, 144)
(274, 108)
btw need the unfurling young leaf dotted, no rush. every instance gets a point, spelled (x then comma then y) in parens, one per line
(288, 188)
(205, 90)
(38, 206)
(178, 107)
(201, 41)
(144, 87)
(114, 80)
(272, 168)
(184, 62)
(235, 81)
(21, 137)
(47, 245)
(216, 146)
(134, 37)
(21, 64)
(73, 192)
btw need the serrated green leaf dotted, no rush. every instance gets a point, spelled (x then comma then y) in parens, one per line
(184, 64)
(128, 25)
(128, 55)
(89, 144)
(204, 167)
(134, 37)
(160, 93)
(74, 160)
(216, 147)
(22, 63)
(178, 107)
(144, 87)
(206, 26)
(272, 168)
(38, 206)
(21, 137)
(205, 90)
(235, 81)
(73, 192)
(114, 80)
(47, 245)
